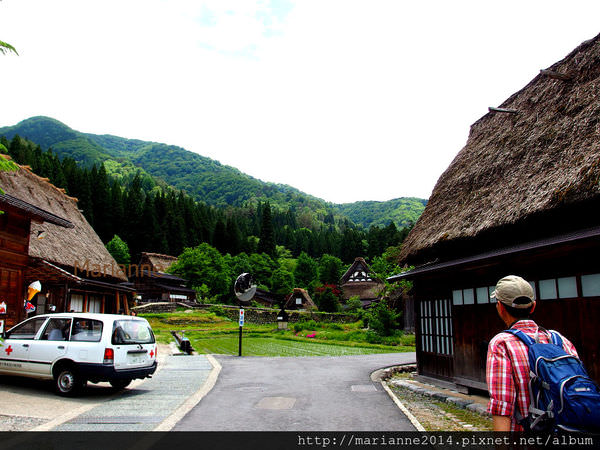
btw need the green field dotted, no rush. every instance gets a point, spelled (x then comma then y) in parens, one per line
(209, 333)
(268, 346)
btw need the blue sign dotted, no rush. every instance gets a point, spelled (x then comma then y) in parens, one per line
(241, 317)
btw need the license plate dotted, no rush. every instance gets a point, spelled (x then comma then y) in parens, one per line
(136, 359)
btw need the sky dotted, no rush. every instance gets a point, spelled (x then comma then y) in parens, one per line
(346, 100)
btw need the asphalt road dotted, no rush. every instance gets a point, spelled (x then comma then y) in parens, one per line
(299, 394)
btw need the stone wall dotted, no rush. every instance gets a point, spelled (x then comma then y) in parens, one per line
(252, 315)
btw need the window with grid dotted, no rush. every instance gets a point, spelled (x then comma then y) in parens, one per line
(436, 326)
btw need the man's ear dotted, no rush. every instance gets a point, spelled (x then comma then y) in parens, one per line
(533, 307)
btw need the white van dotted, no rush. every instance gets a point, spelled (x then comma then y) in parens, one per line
(73, 348)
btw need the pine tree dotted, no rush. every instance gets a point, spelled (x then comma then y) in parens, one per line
(116, 212)
(234, 237)
(101, 198)
(219, 237)
(267, 240)
(132, 222)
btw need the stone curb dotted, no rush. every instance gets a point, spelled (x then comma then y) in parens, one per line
(443, 396)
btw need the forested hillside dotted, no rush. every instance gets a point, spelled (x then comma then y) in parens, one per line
(202, 178)
(402, 211)
(151, 217)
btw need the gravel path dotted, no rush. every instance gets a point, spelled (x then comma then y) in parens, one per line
(435, 415)
(19, 423)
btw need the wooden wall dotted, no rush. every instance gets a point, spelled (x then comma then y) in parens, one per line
(14, 248)
(475, 325)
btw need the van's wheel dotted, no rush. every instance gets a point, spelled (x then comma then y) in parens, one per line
(120, 384)
(67, 381)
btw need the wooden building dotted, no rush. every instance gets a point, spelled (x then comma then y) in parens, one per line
(153, 284)
(15, 231)
(361, 282)
(76, 271)
(299, 299)
(268, 299)
(520, 198)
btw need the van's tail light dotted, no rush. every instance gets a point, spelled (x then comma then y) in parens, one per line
(109, 356)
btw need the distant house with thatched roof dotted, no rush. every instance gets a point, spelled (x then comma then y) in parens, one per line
(299, 299)
(76, 271)
(522, 197)
(152, 282)
(360, 281)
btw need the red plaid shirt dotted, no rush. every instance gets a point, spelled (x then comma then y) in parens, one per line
(507, 371)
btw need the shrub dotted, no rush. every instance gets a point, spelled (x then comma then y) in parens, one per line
(354, 304)
(382, 319)
(217, 310)
(373, 338)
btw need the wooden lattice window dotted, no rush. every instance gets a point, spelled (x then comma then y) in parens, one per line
(436, 327)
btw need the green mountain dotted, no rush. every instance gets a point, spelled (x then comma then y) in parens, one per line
(402, 211)
(204, 179)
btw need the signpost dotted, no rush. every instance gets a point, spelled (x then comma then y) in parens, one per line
(244, 289)
(241, 325)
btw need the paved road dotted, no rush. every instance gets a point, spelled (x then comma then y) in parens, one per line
(299, 394)
(150, 404)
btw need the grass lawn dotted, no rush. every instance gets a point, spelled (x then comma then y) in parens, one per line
(209, 333)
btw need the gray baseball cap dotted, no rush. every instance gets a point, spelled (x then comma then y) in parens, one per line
(514, 291)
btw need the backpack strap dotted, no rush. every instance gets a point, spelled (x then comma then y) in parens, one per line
(527, 340)
(556, 339)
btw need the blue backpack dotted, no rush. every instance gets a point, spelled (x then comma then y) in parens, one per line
(562, 395)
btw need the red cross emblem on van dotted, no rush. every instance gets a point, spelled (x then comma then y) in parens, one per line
(8, 350)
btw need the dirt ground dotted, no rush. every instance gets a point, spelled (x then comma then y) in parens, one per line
(436, 415)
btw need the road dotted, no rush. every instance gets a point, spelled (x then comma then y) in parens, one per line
(299, 394)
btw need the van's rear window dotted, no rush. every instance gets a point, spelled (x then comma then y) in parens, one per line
(132, 332)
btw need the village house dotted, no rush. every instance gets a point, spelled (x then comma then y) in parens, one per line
(359, 281)
(152, 282)
(15, 231)
(520, 198)
(65, 254)
(299, 299)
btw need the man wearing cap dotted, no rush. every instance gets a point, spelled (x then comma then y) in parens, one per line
(507, 369)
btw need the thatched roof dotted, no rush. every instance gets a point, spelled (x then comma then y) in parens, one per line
(36, 214)
(307, 302)
(359, 272)
(65, 247)
(157, 261)
(539, 155)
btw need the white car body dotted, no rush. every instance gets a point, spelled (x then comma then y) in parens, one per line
(73, 348)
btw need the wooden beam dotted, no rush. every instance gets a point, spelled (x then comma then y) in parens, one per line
(117, 306)
(125, 304)
(502, 110)
(556, 75)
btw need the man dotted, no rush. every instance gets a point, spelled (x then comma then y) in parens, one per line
(507, 370)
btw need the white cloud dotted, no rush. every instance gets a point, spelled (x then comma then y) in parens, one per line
(324, 95)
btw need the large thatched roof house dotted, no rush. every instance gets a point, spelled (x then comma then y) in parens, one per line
(15, 229)
(520, 198)
(76, 271)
